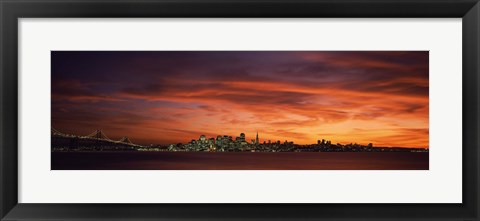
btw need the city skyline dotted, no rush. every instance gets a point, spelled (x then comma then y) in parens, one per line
(257, 138)
(301, 96)
(99, 141)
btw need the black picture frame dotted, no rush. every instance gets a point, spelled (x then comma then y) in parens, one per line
(12, 10)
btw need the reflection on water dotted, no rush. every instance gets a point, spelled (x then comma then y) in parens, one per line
(238, 161)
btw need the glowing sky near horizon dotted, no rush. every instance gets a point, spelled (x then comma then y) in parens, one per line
(163, 97)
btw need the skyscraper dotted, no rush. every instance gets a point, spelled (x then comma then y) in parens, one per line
(242, 137)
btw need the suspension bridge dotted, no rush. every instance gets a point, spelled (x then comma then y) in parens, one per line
(96, 139)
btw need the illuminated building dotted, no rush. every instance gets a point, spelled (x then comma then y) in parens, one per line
(219, 141)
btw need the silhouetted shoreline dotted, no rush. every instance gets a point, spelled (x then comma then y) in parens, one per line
(98, 141)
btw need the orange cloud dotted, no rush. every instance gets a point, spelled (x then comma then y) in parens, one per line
(361, 97)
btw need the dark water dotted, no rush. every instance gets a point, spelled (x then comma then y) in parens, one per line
(238, 161)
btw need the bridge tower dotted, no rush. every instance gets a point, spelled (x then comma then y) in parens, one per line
(98, 134)
(125, 140)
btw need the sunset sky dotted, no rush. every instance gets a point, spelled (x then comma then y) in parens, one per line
(164, 97)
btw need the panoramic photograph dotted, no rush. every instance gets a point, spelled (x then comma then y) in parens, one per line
(239, 110)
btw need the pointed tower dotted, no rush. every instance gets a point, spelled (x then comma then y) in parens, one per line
(125, 140)
(98, 134)
(256, 139)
